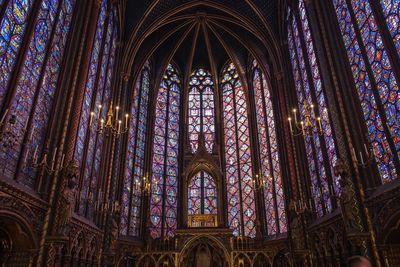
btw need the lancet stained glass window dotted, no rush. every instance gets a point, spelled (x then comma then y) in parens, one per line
(374, 78)
(36, 81)
(240, 191)
(12, 31)
(201, 109)
(134, 168)
(274, 202)
(164, 185)
(97, 92)
(202, 194)
(391, 11)
(320, 150)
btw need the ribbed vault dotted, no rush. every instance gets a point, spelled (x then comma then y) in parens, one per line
(201, 34)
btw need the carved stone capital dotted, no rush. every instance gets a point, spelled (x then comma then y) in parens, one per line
(97, 3)
(125, 76)
(278, 75)
(340, 169)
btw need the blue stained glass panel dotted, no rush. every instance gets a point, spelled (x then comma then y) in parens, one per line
(27, 83)
(12, 30)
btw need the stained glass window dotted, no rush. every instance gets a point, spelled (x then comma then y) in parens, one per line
(12, 30)
(374, 78)
(270, 172)
(320, 150)
(90, 84)
(202, 194)
(97, 92)
(391, 11)
(134, 168)
(241, 202)
(163, 201)
(201, 109)
(36, 81)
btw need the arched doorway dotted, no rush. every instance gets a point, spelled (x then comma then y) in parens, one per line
(392, 243)
(261, 261)
(204, 252)
(17, 244)
(146, 261)
(281, 260)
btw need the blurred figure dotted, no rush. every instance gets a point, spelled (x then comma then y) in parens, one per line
(358, 261)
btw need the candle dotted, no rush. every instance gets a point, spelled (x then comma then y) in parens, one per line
(33, 130)
(290, 124)
(302, 128)
(295, 116)
(126, 120)
(319, 123)
(101, 124)
(366, 149)
(35, 154)
(353, 153)
(4, 116)
(119, 126)
(100, 106)
(62, 160)
(362, 159)
(54, 158)
(91, 118)
(116, 113)
(26, 125)
(44, 160)
(26, 155)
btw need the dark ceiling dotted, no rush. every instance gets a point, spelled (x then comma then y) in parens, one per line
(199, 33)
(135, 10)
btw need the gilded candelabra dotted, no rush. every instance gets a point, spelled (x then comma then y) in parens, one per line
(144, 186)
(111, 124)
(306, 126)
(259, 181)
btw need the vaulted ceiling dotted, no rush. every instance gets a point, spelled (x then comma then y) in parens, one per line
(200, 33)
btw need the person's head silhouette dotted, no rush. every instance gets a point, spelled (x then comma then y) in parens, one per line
(358, 261)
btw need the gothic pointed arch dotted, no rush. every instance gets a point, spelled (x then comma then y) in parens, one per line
(239, 171)
(164, 176)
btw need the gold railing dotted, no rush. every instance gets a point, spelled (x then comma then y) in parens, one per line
(203, 220)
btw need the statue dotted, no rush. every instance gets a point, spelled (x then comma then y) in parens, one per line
(348, 205)
(296, 227)
(297, 235)
(347, 197)
(112, 226)
(68, 197)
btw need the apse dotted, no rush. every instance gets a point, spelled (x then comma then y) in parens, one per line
(199, 133)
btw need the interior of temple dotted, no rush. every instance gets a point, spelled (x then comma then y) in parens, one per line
(229, 133)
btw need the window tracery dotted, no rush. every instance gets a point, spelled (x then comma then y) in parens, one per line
(164, 182)
(201, 109)
(270, 170)
(36, 83)
(375, 81)
(320, 149)
(202, 194)
(135, 159)
(240, 191)
(97, 96)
